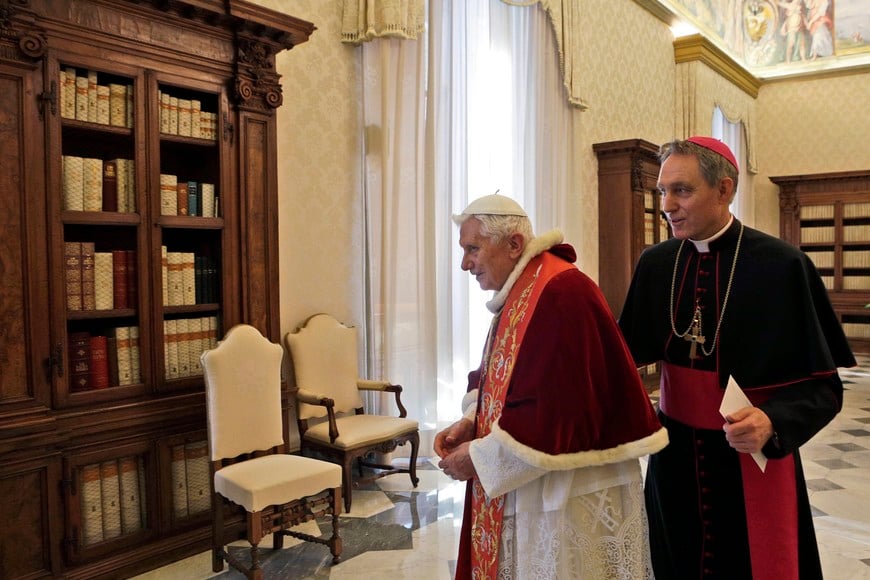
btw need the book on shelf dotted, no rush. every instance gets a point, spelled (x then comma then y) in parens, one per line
(164, 111)
(195, 118)
(173, 115)
(128, 109)
(79, 349)
(200, 268)
(111, 496)
(131, 503)
(125, 367)
(198, 489)
(208, 198)
(73, 182)
(181, 188)
(188, 277)
(119, 279)
(92, 504)
(178, 469)
(164, 279)
(184, 351)
(98, 372)
(68, 92)
(103, 104)
(103, 281)
(92, 184)
(131, 278)
(89, 297)
(81, 98)
(193, 199)
(117, 105)
(212, 332)
(170, 335)
(135, 365)
(168, 194)
(72, 256)
(110, 185)
(112, 350)
(175, 276)
(184, 120)
(92, 96)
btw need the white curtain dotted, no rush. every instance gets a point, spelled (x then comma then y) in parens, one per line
(475, 105)
(733, 134)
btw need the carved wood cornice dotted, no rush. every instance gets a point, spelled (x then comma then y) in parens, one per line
(20, 39)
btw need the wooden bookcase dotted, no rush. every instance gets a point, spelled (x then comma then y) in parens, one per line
(629, 217)
(827, 215)
(96, 479)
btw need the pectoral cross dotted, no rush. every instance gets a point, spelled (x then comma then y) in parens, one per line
(694, 335)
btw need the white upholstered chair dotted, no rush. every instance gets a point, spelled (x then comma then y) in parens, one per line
(331, 418)
(249, 461)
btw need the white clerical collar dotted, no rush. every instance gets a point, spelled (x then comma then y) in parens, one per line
(703, 246)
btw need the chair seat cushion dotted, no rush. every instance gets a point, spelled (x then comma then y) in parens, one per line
(275, 479)
(360, 430)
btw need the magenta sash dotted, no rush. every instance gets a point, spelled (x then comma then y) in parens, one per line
(693, 397)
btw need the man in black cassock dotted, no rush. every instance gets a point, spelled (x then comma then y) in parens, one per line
(722, 301)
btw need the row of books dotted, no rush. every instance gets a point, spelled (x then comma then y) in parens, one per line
(184, 341)
(99, 280)
(822, 259)
(817, 235)
(112, 499)
(856, 210)
(816, 212)
(856, 282)
(191, 492)
(856, 330)
(100, 361)
(84, 99)
(857, 233)
(193, 198)
(851, 258)
(185, 117)
(91, 184)
(189, 279)
(649, 226)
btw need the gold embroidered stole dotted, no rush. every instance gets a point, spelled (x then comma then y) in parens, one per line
(509, 327)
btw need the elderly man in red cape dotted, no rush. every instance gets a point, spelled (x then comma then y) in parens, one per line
(555, 418)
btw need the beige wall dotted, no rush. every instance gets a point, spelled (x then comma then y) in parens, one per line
(809, 126)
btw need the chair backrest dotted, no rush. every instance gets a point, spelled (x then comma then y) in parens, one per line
(325, 362)
(243, 393)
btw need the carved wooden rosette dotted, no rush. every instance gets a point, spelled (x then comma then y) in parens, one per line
(20, 39)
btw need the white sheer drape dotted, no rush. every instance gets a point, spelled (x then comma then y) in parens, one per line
(494, 117)
(733, 134)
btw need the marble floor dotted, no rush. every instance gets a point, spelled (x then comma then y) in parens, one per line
(395, 531)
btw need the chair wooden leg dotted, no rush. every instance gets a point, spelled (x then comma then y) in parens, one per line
(412, 467)
(255, 572)
(347, 482)
(334, 542)
(217, 532)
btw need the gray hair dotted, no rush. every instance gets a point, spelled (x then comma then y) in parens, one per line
(713, 166)
(498, 227)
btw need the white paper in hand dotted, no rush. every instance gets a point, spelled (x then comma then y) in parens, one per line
(733, 400)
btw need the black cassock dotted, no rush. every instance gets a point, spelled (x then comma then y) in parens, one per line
(778, 330)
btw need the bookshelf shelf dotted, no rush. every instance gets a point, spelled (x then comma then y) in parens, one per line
(99, 378)
(828, 216)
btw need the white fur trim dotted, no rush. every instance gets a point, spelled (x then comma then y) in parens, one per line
(634, 449)
(536, 246)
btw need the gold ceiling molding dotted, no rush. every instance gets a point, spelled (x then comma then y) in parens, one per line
(697, 48)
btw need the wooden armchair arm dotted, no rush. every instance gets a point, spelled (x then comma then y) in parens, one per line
(321, 401)
(384, 386)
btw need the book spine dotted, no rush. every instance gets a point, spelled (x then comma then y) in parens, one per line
(111, 496)
(184, 117)
(164, 267)
(168, 194)
(212, 331)
(69, 93)
(79, 360)
(128, 106)
(112, 358)
(73, 274)
(132, 278)
(93, 184)
(92, 504)
(73, 183)
(173, 115)
(188, 278)
(131, 505)
(103, 284)
(207, 199)
(135, 365)
(81, 98)
(103, 104)
(117, 105)
(195, 118)
(131, 185)
(172, 338)
(164, 112)
(122, 339)
(119, 278)
(198, 489)
(199, 332)
(175, 262)
(89, 297)
(199, 271)
(181, 189)
(195, 198)
(184, 351)
(179, 482)
(98, 376)
(110, 185)
(92, 96)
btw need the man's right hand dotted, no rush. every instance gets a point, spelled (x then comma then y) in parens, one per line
(453, 436)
